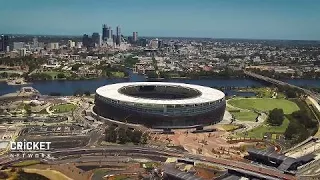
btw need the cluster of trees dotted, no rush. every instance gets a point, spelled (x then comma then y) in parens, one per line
(130, 61)
(79, 92)
(76, 67)
(307, 75)
(303, 123)
(31, 62)
(301, 126)
(290, 92)
(276, 117)
(107, 69)
(9, 75)
(39, 76)
(122, 136)
(45, 76)
(226, 73)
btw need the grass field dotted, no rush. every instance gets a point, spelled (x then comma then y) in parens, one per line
(26, 163)
(51, 174)
(61, 108)
(265, 104)
(245, 116)
(260, 131)
(118, 74)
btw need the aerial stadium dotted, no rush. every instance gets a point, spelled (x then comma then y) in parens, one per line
(160, 104)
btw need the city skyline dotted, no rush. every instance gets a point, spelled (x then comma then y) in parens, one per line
(250, 19)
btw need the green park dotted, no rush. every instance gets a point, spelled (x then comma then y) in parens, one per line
(248, 109)
(63, 108)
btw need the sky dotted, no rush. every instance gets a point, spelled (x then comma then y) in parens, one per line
(253, 19)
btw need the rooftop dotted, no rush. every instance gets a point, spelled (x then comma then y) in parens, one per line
(206, 94)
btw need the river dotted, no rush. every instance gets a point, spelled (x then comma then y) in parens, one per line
(69, 87)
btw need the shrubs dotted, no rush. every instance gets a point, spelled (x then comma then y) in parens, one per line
(123, 136)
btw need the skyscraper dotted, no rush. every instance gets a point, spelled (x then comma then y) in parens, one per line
(109, 32)
(95, 39)
(105, 33)
(86, 41)
(4, 42)
(135, 36)
(118, 35)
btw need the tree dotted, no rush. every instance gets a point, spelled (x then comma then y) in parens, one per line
(144, 138)
(78, 92)
(130, 134)
(110, 134)
(276, 117)
(136, 138)
(87, 93)
(291, 93)
(76, 67)
(61, 76)
(122, 136)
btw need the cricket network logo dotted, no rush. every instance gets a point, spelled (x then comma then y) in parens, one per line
(27, 149)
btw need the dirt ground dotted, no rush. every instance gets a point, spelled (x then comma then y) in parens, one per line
(210, 144)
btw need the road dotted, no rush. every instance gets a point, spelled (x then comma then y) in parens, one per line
(135, 151)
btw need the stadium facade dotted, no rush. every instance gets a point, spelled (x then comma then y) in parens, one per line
(160, 104)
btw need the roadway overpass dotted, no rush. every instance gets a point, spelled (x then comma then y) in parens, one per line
(314, 95)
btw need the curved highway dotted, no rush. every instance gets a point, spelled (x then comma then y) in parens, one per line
(145, 151)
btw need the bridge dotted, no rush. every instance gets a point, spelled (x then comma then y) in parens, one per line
(314, 95)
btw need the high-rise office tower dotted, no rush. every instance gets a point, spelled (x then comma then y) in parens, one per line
(95, 39)
(4, 42)
(105, 32)
(135, 36)
(114, 38)
(118, 35)
(109, 32)
(86, 41)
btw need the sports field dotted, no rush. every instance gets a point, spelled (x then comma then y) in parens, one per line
(61, 108)
(264, 104)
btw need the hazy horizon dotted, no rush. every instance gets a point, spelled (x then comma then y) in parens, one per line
(219, 19)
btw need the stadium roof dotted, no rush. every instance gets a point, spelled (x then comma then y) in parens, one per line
(207, 94)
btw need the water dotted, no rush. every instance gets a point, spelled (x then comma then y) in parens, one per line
(69, 87)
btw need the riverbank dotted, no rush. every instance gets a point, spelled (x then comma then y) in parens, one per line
(68, 87)
(17, 82)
